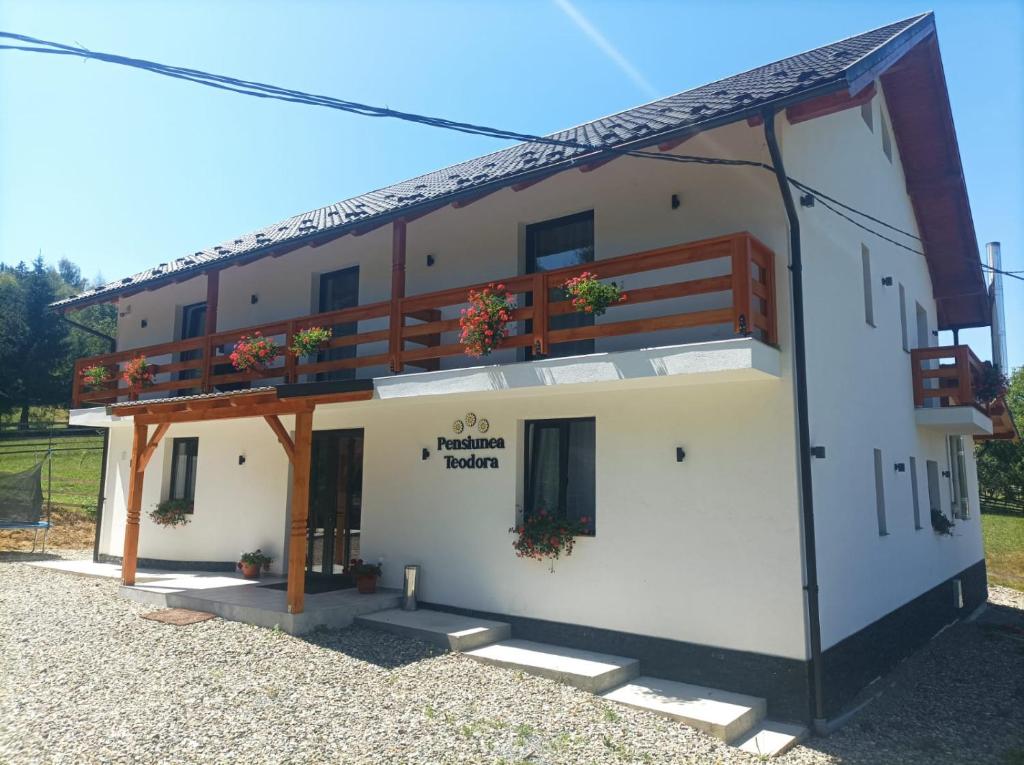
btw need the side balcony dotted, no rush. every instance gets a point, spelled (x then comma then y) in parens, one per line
(954, 392)
(699, 292)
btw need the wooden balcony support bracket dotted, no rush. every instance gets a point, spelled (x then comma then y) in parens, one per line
(282, 435)
(397, 319)
(300, 510)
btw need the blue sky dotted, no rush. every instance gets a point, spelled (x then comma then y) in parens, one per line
(118, 169)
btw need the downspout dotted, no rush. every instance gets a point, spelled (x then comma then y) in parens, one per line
(91, 331)
(803, 427)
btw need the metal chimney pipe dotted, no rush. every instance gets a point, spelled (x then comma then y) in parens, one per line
(995, 293)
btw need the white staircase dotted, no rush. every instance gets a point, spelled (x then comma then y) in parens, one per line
(734, 718)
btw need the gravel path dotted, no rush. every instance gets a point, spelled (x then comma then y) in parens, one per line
(83, 679)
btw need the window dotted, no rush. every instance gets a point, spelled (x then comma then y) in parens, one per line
(559, 475)
(958, 477)
(903, 318)
(886, 138)
(184, 457)
(880, 493)
(915, 494)
(338, 290)
(868, 115)
(869, 303)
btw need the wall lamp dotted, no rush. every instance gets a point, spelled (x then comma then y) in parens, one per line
(241, 459)
(676, 202)
(430, 260)
(425, 454)
(680, 454)
(818, 452)
(886, 281)
(900, 467)
(254, 299)
(807, 200)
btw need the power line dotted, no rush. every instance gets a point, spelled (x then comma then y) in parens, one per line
(264, 90)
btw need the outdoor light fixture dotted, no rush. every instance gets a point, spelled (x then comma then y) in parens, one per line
(807, 200)
(680, 454)
(254, 299)
(675, 202)
(144, 323)
(425, 455)
(430, 260)
(901, 467)
(818, 452)
(241, 459)
(886, 281)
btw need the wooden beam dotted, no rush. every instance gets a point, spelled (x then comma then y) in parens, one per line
(524, 185)
(150, 449)
(282, 436)
(458, 204)
(212, 298)
(675, 142)
(300, 512)
(828, 104)
(136, 472)
(397, 320)
(229, 413)
(592, 166)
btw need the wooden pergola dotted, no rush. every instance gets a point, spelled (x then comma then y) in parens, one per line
(266, 403)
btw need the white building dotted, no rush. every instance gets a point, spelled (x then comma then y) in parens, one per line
(735, 540)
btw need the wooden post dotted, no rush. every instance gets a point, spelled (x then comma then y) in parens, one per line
(300, 511)
(541, 301)
(962, 354)
(917, 379)
(397, 318)
(290, 361)
(131, 531)
(212, 300)
(741, 292)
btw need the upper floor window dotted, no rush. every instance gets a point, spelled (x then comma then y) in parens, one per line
(184, 460)
(559, 476)
(869, 301)
(560, 243)
(904, 329)
(886, 138)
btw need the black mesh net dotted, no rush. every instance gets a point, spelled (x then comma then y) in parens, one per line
(21, 495)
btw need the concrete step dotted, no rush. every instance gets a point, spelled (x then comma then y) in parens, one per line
(770, 739)
(590, 671)
(448, 631)
(723, 714)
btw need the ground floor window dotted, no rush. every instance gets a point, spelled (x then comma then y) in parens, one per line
(184, 459)
(559, 475)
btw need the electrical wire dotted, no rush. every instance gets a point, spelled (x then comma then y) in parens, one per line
(264, 90)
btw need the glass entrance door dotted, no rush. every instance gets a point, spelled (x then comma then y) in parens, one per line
(559, 243)
(193, 324)
(335, 501)
(339, 289)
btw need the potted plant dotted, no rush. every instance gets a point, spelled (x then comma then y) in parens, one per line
(138, 373)
(308, 341)
(588, 295)
(252, 563)
(95, 377)
(254, 352)
(545, 536)
(366, 575)
(485, 323)
(171, 513)
(990, 383)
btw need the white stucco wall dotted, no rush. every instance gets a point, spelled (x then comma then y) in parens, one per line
(860, 383)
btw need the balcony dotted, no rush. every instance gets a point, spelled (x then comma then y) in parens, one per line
(712, 289)
(946, 381)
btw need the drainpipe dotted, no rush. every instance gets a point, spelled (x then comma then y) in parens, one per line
(91, 331)
(803, 427)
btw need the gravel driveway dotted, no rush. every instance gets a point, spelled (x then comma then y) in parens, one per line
(84, 679)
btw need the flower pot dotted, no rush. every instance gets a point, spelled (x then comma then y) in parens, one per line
(366, 584)
(250, 570)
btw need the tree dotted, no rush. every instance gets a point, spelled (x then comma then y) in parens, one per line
(1001, 463)
(37, 347)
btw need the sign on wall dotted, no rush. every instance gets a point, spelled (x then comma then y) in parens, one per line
(466, 440)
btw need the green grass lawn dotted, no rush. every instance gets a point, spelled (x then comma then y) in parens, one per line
(1004, 549)
(75, 463)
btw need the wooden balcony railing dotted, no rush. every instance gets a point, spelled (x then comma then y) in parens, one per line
(421, 330)
(946, 375)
